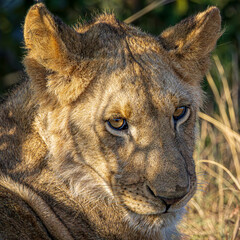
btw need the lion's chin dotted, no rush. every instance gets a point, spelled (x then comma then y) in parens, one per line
(154, 224)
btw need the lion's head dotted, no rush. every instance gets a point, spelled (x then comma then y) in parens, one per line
(118, 109)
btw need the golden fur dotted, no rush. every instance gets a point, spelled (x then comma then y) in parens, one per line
(64, 172)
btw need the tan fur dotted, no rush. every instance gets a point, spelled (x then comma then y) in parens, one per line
(65, 174)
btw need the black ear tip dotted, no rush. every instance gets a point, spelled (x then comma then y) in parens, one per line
(214, 10)
(37, 6)
(213, 13)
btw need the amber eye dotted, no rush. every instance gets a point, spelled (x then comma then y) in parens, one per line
(118, 123)
(179, 113)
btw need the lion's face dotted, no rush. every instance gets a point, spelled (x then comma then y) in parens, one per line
(120, 109)
(126, 130)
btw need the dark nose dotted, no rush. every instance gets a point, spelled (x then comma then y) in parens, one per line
(167, 200)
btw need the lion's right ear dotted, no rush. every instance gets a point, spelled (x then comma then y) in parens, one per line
(54, 54)
(48, 40)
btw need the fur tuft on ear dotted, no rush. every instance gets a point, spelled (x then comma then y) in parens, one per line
(48, 39)
(54, 57)
(190, 43)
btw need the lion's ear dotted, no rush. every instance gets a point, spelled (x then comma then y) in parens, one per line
(48, 40)
(190, 43)
(54, 54)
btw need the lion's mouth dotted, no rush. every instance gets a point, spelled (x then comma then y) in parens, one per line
(140, 202)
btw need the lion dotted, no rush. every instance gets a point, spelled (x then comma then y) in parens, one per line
(97, 140)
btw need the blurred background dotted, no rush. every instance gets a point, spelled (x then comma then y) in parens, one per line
(12, 13)
(214, 212)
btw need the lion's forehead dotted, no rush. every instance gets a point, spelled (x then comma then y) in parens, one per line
(141, 91)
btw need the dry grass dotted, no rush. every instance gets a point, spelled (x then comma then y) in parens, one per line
(214, 212)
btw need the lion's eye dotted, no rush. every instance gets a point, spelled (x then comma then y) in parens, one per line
(118, 124)
(179, 113)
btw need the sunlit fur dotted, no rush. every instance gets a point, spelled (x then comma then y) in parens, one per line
(63, 173)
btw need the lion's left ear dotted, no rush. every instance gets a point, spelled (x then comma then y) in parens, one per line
(190, 43)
